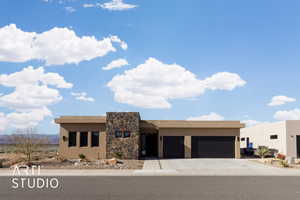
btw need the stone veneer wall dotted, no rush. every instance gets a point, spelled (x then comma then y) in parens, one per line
(128, 121)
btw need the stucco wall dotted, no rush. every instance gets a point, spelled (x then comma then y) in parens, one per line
(90, 152)
(292, 130)
(260, 134)
(199, 132)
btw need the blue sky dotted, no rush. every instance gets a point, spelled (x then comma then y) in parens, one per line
(256, 40)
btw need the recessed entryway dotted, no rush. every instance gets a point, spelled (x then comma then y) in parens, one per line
(298, 146)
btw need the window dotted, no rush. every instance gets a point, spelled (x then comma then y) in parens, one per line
(72, 139)
(126, 134)
(242, 139)
(118, 134)
(273, 137)
(83, 139)
(95, 139)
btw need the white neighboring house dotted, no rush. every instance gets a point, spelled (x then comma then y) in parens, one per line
(283, 136)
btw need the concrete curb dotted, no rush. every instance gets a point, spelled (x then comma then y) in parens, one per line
(203, 172)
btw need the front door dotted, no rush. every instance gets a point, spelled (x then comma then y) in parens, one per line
(298, 146)
(151, 145)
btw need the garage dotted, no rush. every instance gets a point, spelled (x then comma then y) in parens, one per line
(173, 146)
(213, 146)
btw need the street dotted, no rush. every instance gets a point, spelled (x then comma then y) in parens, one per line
(160, 187)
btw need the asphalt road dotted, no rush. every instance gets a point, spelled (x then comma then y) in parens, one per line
(207, 188)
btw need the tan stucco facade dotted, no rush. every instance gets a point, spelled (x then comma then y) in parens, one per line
(160, 127)
(90, 152)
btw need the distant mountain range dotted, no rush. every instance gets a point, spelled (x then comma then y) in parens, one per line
(53, 139)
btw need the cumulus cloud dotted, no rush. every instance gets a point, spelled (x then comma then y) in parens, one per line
(153, 84)
(251, 122)
(114, 5)
(280, 100)
(210, 117)
(89, 5)
(70, 9)
(288, 114)
(82, 96)
(117, 5)
(30, 97)
(116, 64)
(57, 46)
(27, 119)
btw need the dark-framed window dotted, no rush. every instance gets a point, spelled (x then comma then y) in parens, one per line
(83, 139)
(72, 139)
(273, 137)
(95, 139)
(127, 134)
(242, 139)
(118, 134)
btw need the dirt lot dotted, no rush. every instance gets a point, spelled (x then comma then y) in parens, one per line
(50, 160)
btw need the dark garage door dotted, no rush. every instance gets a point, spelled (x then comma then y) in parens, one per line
(213, 147)
(173, 146)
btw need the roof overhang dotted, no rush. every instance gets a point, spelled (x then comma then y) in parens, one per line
(81, 120)
(195, 124)
(158, 124)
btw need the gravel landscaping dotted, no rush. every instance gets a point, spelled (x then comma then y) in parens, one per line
(52, 161)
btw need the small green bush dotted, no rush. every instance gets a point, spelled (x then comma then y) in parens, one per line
(119, 155)
(262, 151)
(82, 156)
(284, 163)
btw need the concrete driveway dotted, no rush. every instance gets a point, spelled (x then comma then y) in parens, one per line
(212, 164)
(224, 167)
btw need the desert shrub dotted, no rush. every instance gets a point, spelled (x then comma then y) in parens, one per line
(262, 151)
(82, 156)
(284, 163)
(119, 155)
(27, 142)
(280, 156)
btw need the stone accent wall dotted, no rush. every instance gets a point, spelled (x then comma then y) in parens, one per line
(128, 147)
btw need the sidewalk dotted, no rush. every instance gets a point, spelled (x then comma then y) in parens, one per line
(205, 172)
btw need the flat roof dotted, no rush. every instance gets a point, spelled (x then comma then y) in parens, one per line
(195, 124)
(153, 123)
(81, 120)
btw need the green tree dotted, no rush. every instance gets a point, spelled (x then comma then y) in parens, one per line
(262, 151)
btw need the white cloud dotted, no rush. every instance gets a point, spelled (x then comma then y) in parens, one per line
(70, 9)
(57, 46)
(116, 64)
(89, 5)
(280, 100)
(210, 117)
(27, 119)
(31, 89)
(30, 97)
(288, 115)
(251, 122)
(82, 96)
(114, 5)
(153, 84)
(33, 76)
(117, 5)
